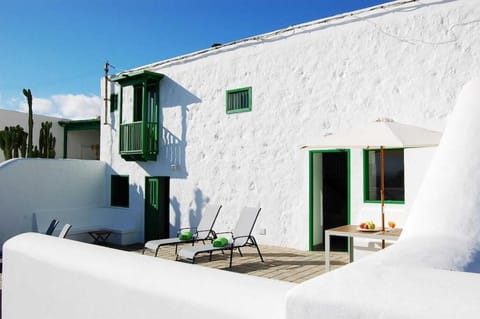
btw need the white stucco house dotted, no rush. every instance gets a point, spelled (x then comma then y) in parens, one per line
(413, 61)
(225, 124)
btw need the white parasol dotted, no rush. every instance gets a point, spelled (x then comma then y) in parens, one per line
(381, 134)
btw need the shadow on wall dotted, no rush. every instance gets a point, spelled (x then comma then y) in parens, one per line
(178, 213)
(194, 214)
(171, 159)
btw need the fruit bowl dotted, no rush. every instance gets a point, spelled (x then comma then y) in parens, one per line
(368, 226)
(369, 230)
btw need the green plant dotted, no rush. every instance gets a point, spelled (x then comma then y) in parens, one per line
(6, 143)
(13, 142)
(46, 141)
(28, 95)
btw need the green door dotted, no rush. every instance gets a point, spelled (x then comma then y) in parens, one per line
(157, 205)
(329, 196)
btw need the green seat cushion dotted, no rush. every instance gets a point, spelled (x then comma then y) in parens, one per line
(220, 242)
(187, 235)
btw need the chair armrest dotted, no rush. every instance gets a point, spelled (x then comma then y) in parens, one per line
(211, 234)
(226, 232)
(239, 237)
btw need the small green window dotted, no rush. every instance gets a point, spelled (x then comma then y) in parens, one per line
(239, 100)
(119, 191)
(394, 176)
(113, 102)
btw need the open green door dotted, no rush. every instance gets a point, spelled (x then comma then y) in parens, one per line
(329, 196)
(157, 206)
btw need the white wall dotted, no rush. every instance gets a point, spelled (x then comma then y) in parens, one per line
(14, 118)
(48, 277)
(406, 62)
(83, 144)
(30, 184)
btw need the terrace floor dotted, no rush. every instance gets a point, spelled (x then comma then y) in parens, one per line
(280, 263)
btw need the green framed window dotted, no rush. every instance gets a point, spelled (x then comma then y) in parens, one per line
(239, 100)
(113, 102)
(119, 191)
(394, 176)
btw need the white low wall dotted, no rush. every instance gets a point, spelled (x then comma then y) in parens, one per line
(48, 277)
(30, 184)
(364, 290)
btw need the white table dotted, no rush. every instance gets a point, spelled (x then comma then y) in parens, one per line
(352, 231)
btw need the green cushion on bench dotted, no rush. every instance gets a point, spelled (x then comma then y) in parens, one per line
(185, 235)
(220, 242)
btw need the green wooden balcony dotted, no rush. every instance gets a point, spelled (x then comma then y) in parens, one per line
(139, 141)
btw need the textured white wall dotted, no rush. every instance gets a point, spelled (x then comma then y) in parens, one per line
(406, 62)
(14, 118)
(30, 184)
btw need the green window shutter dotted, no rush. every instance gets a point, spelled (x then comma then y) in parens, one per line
(239, 100)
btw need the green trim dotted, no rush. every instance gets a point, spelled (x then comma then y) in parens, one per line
(80, 125)
(349, 185)
(137, 77)
(247, 108)
(310, 200)
(366, 184)
(310, 190)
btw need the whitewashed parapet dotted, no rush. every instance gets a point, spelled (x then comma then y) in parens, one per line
(49, 277)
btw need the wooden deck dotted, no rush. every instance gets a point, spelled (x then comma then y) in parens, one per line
(280, 263)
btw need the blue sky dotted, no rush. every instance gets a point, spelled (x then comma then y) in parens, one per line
(58, 48)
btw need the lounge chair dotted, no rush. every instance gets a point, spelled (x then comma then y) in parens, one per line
(51, 227)
(240, 237)
(65, 230)
(203, 232)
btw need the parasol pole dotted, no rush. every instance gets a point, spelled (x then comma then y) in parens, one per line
(382, 189)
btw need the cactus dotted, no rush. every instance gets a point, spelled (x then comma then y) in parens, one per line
(46, 141)
(28, 95)
(23, 143)
(6, 143)
(13, 142)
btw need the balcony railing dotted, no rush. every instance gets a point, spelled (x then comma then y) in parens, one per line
(139, 141)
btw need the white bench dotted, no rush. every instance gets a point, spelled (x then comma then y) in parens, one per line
(122, 222)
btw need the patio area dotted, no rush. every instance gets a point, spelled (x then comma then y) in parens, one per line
(280, 263)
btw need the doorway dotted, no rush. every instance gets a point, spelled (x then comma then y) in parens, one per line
(329, 197)
(157, 207)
